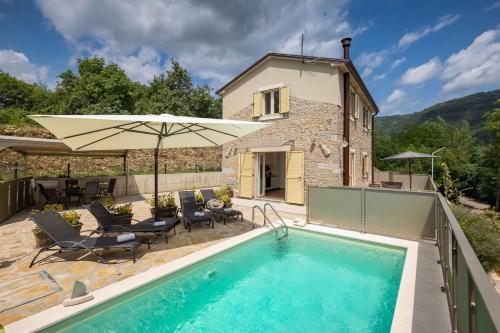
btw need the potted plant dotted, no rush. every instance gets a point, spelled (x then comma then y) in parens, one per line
(166, 205)
(199, 198)
(228, 190)
(121, 213)
(226, 199)
(71, 217)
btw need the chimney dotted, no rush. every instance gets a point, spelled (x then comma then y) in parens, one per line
(346, 43)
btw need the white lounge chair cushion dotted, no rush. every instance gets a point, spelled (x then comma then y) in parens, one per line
(125, 237)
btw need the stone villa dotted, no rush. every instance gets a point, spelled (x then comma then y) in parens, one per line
(321, 126)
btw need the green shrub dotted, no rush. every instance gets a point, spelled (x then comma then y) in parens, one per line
(70, 217)
(107, 201)
(164, 201)
(450, 189)
(483, 233)
(110, 203)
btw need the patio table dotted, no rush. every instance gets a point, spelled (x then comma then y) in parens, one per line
(102, 188)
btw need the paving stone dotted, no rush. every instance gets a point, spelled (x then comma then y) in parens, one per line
(65, 269)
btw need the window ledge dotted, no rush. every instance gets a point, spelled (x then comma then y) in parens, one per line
(273, 116)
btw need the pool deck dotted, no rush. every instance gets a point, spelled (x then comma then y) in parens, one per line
(52, 281)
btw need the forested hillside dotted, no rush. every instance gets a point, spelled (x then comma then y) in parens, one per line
(102, 88)
(472, 144)
(469, 108)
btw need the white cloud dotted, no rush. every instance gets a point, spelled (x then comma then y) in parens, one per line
(396, 96)
(379, 77)
(393, 100)
(141, 66)
(424, 72)
(370, 61)
(411, 37)
(493, 6)
(214, 40)
(397, 62)
(476, 66)
(17, 64)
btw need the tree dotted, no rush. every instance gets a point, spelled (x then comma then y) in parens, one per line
(450, 190)
(489, 163)
(98, 88)
(101, 88)
(173, 93)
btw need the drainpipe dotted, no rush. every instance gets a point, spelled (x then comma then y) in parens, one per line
(373, 146)
(346, 43)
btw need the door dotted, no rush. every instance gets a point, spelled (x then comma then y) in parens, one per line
(246, 175)
(294, 185)
(260, 185)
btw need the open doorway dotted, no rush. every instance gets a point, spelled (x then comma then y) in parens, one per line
(270, 175)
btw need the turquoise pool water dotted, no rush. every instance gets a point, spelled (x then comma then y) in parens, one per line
(307, 283)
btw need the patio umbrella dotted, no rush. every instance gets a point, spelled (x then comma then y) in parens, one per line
(119, 132)
(409, 155)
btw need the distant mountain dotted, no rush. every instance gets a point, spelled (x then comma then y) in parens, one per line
(470, 108)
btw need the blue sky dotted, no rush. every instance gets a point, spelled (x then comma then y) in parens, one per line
(411, 54)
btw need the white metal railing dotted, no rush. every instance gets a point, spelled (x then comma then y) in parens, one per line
(267, 220)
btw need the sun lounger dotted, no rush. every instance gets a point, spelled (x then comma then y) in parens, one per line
(190, 212)
(223, 213)
(65, 238)
(107, 223)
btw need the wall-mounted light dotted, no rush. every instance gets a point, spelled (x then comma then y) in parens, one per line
(324, 150)
(345, 143)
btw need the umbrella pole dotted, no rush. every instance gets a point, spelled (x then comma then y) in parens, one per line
(409, 171)
(156, 184)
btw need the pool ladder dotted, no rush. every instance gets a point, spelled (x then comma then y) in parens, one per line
(267, 220)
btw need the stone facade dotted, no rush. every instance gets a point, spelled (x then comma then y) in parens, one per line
(360, 141)
(307, 125)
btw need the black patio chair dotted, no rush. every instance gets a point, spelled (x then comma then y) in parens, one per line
(72, 190)
(111, 187)
(89, 194)
(106, 222)
(51, 196)
(190, 208)
(64, 238)
(393, 185)
(222, 213)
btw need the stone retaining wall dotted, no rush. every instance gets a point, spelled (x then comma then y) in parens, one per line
(139, 161)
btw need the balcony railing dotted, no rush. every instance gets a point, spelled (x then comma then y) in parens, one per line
(473, 303)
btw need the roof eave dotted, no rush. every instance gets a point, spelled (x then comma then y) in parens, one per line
(345, 62)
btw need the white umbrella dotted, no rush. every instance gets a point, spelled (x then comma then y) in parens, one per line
(409, 155)
(119, 132)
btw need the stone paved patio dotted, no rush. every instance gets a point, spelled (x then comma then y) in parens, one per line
(17, 248)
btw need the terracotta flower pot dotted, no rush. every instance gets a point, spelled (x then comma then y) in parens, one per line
(165, 212)
(123, 219)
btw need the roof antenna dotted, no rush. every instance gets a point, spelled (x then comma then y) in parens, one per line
(302, 47)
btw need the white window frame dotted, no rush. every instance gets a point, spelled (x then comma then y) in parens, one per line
(272, 112)
(352, 104)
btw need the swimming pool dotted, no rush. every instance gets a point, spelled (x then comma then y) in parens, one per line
(309, 282)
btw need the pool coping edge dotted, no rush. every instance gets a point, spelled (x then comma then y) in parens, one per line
(403, 312)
